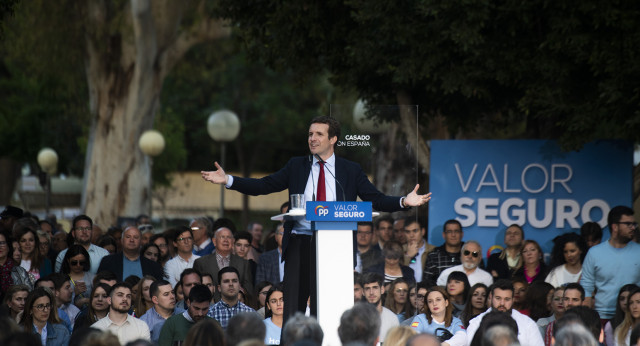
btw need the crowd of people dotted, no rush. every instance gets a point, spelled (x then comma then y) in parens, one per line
(210, 283)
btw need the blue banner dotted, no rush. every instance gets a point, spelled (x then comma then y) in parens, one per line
(339, 211)
(488, 185)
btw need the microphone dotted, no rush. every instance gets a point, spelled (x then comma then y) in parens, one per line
(313, 180)
(344, 197)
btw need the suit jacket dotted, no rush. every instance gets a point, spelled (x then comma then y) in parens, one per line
(113, 263)
(208, 264)
(294, 175)
(407, 273)
(268, 267)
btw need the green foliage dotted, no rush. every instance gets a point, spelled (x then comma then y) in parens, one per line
(566, 70)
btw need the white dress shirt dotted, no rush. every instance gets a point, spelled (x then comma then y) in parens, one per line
(528, 333)
(132, 329)
(478, 275)
(175, 266)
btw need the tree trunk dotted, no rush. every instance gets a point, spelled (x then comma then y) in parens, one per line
(9, 174)
(130, 51)
(408, 121)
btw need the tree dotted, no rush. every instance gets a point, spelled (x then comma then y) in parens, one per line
(131, 47)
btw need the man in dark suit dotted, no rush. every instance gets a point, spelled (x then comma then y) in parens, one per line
(313, 176)
(222, 257)
(129, 262)
(269, 263)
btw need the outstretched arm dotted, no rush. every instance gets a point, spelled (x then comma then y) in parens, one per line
(217, 177)
(415, 200)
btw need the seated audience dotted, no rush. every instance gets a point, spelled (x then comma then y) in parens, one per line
(40, 317)
(438, 318)
(458, 288)
(476, 303)
(302, 328)
(567, 255)
(533, 266)
(621, 310)
(398, 299)
(622, 333)
(360, 324)
(274, 315)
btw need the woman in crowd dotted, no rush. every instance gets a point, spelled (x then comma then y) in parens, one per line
(398, 336)
(569, 251)
(15, 299)
(398, 299)
(261, 292)
(502, 265)
(476, 303)
(151, 251)
(40, 317)
(458, 289)
(6, 263)
(533, 266)
(621, 309)
(538, 299)
(622, 334)
(45, 245)
(98, 307)
(143, 301)
(108, 243)
(77, 263)
(557, 310)
(391, 269)
(274, 313)
(520, 287)
(36, 264)
(438, 313)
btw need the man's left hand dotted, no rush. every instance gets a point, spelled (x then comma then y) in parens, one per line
(415, 200)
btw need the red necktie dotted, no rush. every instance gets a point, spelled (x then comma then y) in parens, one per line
(322, 196)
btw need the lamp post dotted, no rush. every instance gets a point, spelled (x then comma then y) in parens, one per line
(223, 126)
(151, 143)
(48, 162)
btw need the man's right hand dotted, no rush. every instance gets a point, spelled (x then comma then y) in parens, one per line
(217, 177)
(412, 249)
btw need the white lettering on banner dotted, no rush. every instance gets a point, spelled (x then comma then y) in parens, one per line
(490, 212)
(557, 174)
(347, 207)
(348, 214)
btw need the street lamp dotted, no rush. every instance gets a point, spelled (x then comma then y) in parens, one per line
(223, 126)
(152, 144)
(48, 162)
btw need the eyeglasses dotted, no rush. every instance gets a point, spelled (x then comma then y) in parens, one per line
(145, 227)
(42, 307)
(185, 239)
(475, 254)
(78, 263)
(629, 224)
(86, 229)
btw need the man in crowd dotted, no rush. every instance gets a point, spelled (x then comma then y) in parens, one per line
(360, 325)
(471, 256)
(591, 232)
(202, 233)
(416, 248)
(367, 255)
(183, 242)
(81, 230)
(572, 296)
(320, 176)
(255, 229)
(63, 293)
(188, 278)
(448, 254)
(229, 305)
(502, 300)
(373, 286)
(384, 230)
(270, 266)
(176, 327)
(129, 262)
(164, 302)
(118, 321)
(398, 230)
(242, 247)
(612, 264)
(301, 328)
(223, 257)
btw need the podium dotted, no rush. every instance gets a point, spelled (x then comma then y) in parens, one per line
(334, 223)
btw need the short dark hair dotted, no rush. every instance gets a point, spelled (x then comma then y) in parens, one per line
(412, 219)
(199, 293)
(588, 317)
(300, 327)
(575, 286)
(157, 236)
(79, 218)
(243, 235)
(104, 275)
(366, 223)
(360, 324)
(381, 218)
(225, 270)
(118, 285)
(245, 326)
(591, 231)
(493, 318)
(58, 279)
(371, 277)
(179, 230)
(616, 213)
(503, 284)
(189, 271)
(451, 222)
(155, 287)
(334, 125)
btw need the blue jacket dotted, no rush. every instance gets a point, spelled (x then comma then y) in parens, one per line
(57, 334)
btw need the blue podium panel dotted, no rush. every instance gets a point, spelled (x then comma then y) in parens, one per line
(339, 211)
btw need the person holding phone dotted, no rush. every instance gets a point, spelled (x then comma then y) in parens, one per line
(77, 264)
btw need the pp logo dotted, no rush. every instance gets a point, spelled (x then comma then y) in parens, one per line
(322, 210)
